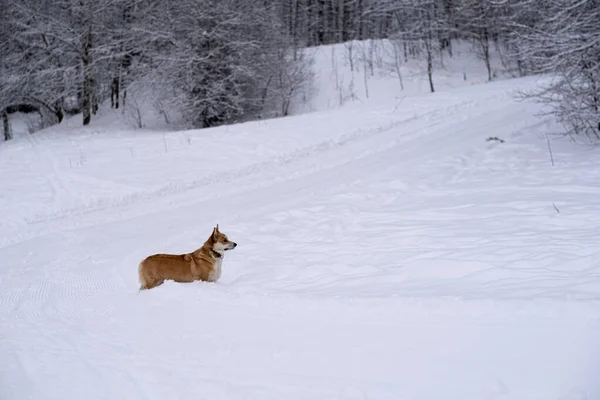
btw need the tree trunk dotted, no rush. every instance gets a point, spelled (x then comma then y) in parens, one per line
(296, 24)
(485, 46)
(114, 93)
(87, 90)
(6, 125)
(430, 71)
(58, 109)
(361, 24)
(321, 23)
(94, 98)
(429, 60)
(340, 22)
(308, 11)
(292, 19)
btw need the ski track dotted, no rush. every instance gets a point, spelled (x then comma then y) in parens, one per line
(431, 118)
(392, 263)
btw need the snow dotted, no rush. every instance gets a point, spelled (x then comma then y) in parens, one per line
(386, 250)
(371, 76)
(23, 124)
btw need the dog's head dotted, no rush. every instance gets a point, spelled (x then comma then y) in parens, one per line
(220, 241)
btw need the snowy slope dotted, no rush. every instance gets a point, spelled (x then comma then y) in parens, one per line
(385, 252)
(375, 71)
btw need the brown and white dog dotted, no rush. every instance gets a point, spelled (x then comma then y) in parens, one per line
(203, 264)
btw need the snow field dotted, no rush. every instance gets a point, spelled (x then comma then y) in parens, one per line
(386, 251)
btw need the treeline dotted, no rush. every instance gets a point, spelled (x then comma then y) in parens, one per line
(558, 37)
(224, 60)
(215, 60)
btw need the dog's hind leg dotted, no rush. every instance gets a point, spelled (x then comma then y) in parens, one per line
(152, 284)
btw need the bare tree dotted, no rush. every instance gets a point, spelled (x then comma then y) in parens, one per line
(565, 42)
(479, 20)
(419, 24)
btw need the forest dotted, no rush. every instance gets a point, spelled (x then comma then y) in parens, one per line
(223, 61)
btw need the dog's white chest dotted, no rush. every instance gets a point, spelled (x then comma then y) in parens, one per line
(216, 272)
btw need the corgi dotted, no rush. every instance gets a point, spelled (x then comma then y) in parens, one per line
(203, 264)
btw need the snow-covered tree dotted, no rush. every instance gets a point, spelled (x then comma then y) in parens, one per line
(217, 58)
(564, 41)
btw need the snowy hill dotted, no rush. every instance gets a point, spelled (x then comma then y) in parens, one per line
(387, 250)
(375, 71)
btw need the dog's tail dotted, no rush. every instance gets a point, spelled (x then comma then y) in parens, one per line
(142, 285)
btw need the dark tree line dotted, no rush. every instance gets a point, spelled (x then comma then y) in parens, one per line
(215, 60)
(220, 61)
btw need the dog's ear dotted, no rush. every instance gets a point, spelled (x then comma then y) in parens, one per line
(215, 233)
(217, 227)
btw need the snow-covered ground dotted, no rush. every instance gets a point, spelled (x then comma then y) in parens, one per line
(375, 71)
(387, 250)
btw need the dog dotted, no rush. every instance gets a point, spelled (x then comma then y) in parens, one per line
(203, 264)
